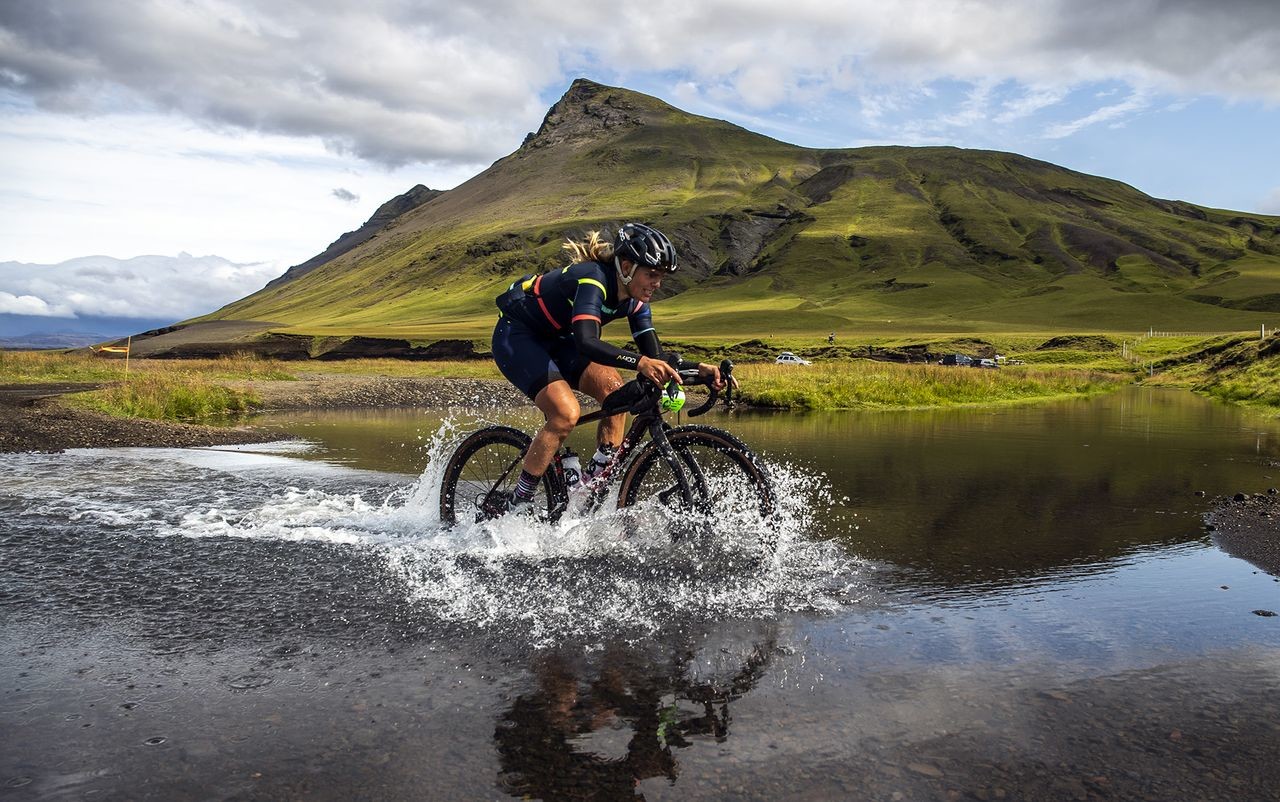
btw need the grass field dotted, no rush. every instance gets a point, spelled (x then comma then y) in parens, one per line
(790, 240)
(1240, 370)
(189, 390)
(867, 384)
(169, 396)
(1233, 368)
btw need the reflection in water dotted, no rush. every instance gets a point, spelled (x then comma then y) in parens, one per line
(956, 498)
(1008, 604)
(988, 496)
(594, 728)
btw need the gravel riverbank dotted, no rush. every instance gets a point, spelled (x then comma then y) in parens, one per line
(33, 419)
(1248, 526)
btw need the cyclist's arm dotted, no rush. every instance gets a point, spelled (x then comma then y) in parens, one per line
(588, 305)
(646, 338)
(586, 335)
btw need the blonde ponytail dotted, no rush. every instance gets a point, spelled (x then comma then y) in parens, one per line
(594, 249)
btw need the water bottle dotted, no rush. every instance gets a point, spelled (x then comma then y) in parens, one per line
(572, 468)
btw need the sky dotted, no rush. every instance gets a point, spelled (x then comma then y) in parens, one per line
(258, 131)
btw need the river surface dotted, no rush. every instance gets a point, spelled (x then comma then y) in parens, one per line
(1020, 603)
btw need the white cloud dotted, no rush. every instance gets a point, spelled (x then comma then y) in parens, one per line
(223, 126)
(1114, 113)
(436, 81)
(1033, 100)
(11, 304)
(128, 184)
(149, 287)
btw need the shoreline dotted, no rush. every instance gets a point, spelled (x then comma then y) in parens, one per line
(33, 419)
(1248, 527)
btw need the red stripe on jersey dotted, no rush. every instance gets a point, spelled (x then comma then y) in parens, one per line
(543, 305)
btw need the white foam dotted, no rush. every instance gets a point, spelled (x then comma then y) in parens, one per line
(603, 573)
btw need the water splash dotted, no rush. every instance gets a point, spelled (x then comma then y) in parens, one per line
(610, 573)
(614, 572)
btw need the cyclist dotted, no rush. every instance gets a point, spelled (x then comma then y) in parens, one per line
(547, 341)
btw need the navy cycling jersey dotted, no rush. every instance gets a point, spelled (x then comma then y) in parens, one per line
(554, 301)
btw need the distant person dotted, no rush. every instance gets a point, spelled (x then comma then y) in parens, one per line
(547, 342)
(831, 338)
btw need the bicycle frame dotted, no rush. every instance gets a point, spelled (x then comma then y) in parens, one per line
(679, 466)
(647, 421)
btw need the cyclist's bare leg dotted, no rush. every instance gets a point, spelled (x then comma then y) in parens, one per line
(560, 407)
(598, 381)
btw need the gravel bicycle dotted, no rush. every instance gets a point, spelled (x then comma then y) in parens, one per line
(684, 469)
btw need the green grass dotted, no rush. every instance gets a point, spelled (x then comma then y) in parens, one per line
(896, 240)
(40, 367)
(1238, 370)
(866, 384)
(169, 397)
(1234, 368)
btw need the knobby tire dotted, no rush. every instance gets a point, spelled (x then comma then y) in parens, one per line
(649, 475)
(487, 461)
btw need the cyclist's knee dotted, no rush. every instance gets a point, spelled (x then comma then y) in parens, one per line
(561, 421)
(562, 415)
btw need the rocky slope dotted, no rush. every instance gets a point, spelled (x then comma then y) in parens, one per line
(785, 238)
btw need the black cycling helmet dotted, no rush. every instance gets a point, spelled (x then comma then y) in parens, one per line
(645, 246)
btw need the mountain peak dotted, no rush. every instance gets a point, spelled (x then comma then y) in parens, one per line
(589, 109)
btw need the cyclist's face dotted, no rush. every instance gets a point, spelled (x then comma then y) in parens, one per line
(645, 282)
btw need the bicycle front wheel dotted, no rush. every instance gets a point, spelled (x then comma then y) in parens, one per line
(484, 467)
(717, 467)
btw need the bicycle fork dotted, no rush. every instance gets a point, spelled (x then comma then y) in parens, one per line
(658, 431)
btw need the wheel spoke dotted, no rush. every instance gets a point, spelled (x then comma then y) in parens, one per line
(718, 467)
(485, 464)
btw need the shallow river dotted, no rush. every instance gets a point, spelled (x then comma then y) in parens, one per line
(1011, 604)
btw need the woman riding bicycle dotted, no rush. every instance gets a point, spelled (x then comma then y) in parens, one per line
(547, 342)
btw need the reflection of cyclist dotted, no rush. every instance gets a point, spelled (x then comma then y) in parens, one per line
(535, 740)
(542, 740)
(547, 342)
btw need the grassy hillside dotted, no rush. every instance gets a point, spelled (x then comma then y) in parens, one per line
(779, 239)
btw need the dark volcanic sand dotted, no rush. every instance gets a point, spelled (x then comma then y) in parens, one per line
(1248, 526)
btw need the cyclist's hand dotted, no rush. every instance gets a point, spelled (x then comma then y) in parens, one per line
(657, 371)
(711, 374)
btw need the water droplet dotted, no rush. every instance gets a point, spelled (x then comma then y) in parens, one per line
(249, 681)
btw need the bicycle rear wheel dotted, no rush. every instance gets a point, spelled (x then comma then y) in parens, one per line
(719, 468)
(485, 466)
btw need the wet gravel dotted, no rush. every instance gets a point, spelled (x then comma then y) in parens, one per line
(337, 392)
(33, 419)
(1247, 525)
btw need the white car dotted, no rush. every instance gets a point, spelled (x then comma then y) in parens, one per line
(788, 358)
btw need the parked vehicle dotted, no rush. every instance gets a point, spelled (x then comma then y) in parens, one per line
(985, 363)
(956, 359)
(788, 358)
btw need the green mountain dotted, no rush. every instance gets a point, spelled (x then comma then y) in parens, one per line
(776, 238)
